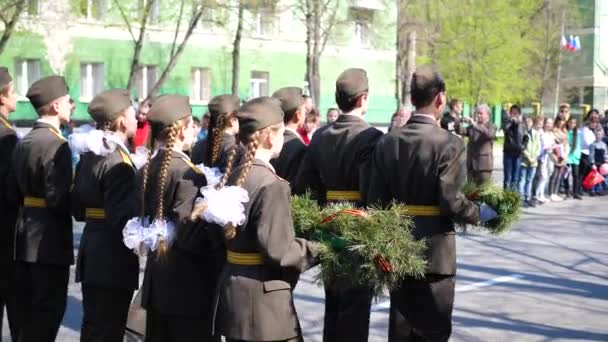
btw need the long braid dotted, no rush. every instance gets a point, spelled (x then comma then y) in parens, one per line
(252, 146)
(144, 182)
(229, 166)
(216, 139)
(162, 180)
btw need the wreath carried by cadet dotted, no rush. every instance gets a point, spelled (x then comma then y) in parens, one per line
(507, 204)
(373, 248)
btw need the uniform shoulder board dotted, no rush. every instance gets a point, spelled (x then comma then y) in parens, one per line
(125, 157)
(192, 166)
(281, 179)
(5, 123)
(57, 134)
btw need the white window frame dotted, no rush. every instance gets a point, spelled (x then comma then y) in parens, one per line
(88, 91)
(359, 24)
(258, 29)
(255, 84)
(100, 3)
(143, 69)
(27, 7)
(26, 80)
(198, 95)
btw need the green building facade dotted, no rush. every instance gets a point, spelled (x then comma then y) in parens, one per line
(87, 41)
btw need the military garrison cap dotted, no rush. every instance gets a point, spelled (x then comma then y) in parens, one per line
(222, 105)
(291, 98)
(5, 77)
(258, 114)
(109, 104)
(47, 89)
(168, 109)
(351, 83)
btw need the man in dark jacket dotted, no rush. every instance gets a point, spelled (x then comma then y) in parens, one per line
(423, 166)
(515, 133)
(480, 156)
(44, 249)
(452, 120)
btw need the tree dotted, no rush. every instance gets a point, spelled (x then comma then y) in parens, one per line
(10, 10)
(236, 50)
(319, 16)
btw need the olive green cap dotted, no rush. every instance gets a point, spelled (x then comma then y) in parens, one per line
(5, 77)
(222, 105)
(291, 98)
(351, 83)
(258, 114)
(46, 90)
(168, 109)
(109, 104)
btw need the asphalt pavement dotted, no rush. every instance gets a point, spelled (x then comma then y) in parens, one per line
(545, 280)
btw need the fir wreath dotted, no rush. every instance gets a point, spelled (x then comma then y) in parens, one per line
(373, 248)
(507, 204)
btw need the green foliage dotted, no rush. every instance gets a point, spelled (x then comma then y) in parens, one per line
(357, 250)
(507, 204)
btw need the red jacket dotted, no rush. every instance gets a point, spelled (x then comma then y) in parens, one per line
(141, 136)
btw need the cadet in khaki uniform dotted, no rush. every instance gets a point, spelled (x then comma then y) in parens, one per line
(180, 278)
(8, 140)
(287, 163)
(423, 166)
(213, 151)
(42, 163)
(336, 168)
(105, 196)
(255, 301)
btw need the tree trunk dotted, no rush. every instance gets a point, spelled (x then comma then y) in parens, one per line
(236, 52)
(139, 44)
(315, 86)
(410, 67)
(309, 45)
(173, 60)
(10, 25)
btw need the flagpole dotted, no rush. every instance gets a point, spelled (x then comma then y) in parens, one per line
(559, 65)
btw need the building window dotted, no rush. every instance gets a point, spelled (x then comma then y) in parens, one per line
(153, 19)
(362, 33)
(263, 23)
(201, 85)
(207, 21)
(93, 9)
(27, 71)
(91, 80)
(258, 84)
(33, 7)
(145, 79)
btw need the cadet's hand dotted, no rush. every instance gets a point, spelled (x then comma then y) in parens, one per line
(486, 213)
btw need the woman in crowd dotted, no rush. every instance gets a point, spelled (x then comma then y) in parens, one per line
(548, 144)
(310, 126)
(255, 300)
(592, 123)
(559, 154)
(180, 273)
(573, 160)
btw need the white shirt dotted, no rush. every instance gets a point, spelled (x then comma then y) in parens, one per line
(588, 138)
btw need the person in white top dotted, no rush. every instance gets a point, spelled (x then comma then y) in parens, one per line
(592, 123)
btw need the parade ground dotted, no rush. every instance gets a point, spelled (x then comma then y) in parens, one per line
(546, 280)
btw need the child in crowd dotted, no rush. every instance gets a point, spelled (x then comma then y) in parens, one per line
(530, 160)
(598, 155)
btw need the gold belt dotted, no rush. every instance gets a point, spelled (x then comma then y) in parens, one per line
(341, 195)
(95, 213)
(422, 210)
(245, 259)
(34, 202)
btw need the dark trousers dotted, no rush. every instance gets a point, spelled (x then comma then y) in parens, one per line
(171, 328)
(584, 168)
(576, 181)
(512, 169)
(41, 299)
(8, 298)
(555, 180)
(480, 177)
(105, 313)
(421, 310)
(347, 314)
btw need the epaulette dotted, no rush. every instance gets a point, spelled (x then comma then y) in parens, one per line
(192, 166)
(5, 123)
(281, 179)
(57, 134)
(125, 157)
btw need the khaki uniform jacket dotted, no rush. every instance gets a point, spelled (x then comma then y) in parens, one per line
(183, 281)
(338, 158)
(255, 303)
(43, 169)
(423, 164)
(480, 155)
(200, 152)
(8, 212)
(107, 183)
(288, 162)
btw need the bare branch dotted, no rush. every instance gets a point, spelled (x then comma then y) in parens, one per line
(10, 25)
(179, 22)
(125, 18)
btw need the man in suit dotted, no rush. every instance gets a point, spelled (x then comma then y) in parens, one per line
(480, 156)
(336, 168)
(8, 140)
(423, 166)
(43, 240)
(287, 163)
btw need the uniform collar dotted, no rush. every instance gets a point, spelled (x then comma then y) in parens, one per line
(118, 142)
(40, 124)
(349, 118)
(260, 162)
(289, 131)
(422, 118)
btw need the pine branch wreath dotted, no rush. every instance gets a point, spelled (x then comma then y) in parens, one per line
(507, 204)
